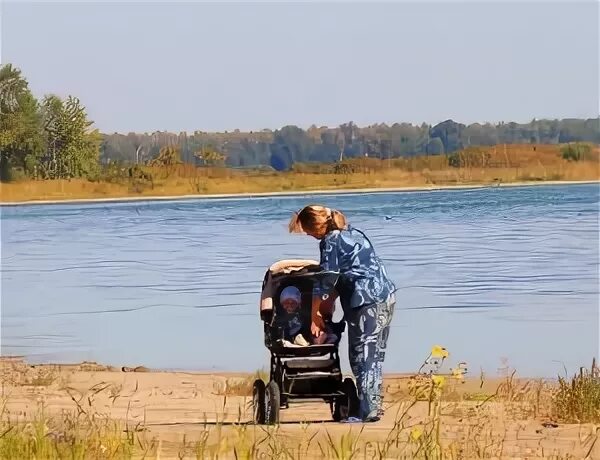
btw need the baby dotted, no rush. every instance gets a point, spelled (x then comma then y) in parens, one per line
(291, 302)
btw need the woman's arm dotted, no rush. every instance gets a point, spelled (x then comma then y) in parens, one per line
(317, 325)
(324, 290)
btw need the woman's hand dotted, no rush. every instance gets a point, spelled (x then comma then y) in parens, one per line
(321, 339)
(317, 326)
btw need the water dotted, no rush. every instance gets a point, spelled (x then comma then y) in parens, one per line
(492, 274)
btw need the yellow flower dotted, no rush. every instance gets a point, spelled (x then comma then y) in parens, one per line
(416, 433)
(439, 352)
(458, 373)
(438, 380)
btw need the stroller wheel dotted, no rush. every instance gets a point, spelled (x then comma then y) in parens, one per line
(347, 405)
(258, 402)
(272, 403)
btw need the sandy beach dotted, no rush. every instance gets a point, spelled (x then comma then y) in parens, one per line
(332, 191)
(175, 411)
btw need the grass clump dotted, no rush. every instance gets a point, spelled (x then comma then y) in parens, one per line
(239, 386)
(68, 436)
(577, 400)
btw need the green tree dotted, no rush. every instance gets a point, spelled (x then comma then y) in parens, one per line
(449, 132)
(20, 124)
(12, 85)
(435, 146)
(72, 147)
(294, 141)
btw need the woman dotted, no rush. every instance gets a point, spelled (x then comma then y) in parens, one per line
(366, 294)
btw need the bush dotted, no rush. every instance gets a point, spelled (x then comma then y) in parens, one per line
(578, 400)
(470, 157)
(14, 174)
(343, 168)
(114, 173)
(575, 152)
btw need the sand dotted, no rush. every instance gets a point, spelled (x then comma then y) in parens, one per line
(173, 406)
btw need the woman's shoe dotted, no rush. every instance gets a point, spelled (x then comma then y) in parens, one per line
(359, 420)
(351, 420)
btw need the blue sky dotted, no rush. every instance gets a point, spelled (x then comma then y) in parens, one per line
(146, 66)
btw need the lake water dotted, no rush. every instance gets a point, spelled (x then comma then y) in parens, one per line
(492, 274)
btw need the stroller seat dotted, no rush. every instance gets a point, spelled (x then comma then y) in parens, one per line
(309, 364)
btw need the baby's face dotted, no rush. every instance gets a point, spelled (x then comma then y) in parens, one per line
(290, 305)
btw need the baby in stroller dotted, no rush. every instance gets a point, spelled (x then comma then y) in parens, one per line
(295, 330)
(311, 370)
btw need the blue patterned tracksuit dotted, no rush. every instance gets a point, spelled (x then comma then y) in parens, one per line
(367, 297)
(368, 331)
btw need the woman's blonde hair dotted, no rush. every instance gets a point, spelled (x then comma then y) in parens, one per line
(318, 219)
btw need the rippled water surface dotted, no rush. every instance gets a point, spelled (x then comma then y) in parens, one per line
(489, 273)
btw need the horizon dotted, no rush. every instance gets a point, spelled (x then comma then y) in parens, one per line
(389, 125)
(370, 64)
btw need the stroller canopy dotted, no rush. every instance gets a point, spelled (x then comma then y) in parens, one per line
(283, 267)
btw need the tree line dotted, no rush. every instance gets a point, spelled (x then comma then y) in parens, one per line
(281, 148)
(53, 138)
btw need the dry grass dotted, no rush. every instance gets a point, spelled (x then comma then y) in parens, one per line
(239, 386)
(77, 434)
(431, 429)
(578, 400)
(434, 416)
(500, 164)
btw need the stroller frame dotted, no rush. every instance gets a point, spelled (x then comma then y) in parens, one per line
(299, 372)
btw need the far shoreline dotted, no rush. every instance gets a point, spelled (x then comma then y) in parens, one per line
(95, 366)
(319, 192)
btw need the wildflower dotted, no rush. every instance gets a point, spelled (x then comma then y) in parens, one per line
(416, 433)
(439, 352)
(458, 373)
(438, 380)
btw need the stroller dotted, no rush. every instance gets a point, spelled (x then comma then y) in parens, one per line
(299, 372)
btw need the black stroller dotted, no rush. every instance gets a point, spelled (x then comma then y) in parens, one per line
(299, 372)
